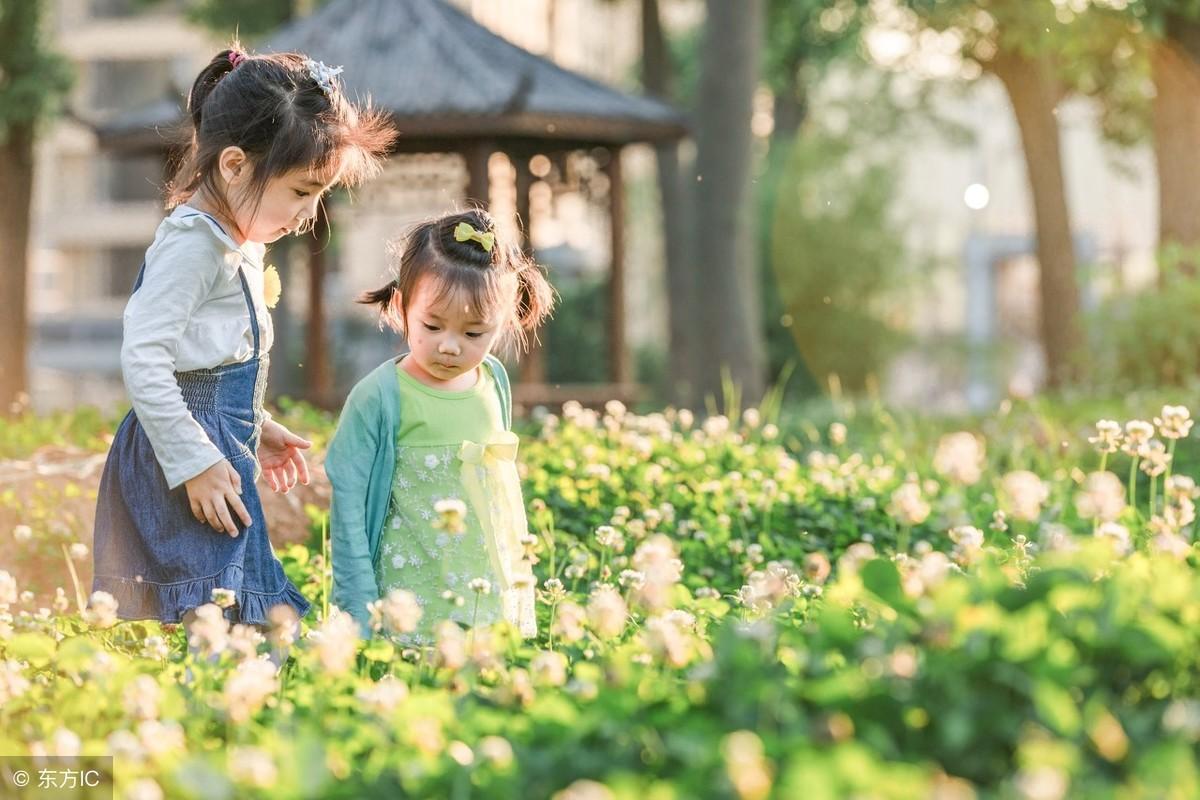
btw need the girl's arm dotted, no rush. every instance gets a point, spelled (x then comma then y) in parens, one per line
(177, 280)
(349, 464)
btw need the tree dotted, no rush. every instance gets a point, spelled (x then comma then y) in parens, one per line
(728, 320)
(1019, 43)
(682, 355)
(1175, 68)
(33, 81)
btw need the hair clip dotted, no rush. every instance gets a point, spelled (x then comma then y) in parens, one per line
(465, 232)
(235, 58)
(322, 73)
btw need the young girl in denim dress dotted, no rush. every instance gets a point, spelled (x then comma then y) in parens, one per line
(178, 514)
(426, 497)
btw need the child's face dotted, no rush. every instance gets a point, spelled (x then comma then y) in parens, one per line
(288, 202)
(448, 338)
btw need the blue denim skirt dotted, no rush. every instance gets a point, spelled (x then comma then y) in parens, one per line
(150, 553)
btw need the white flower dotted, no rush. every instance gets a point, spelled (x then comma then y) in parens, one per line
(549, 668)
(78, 551)
(244, 640)
(141, 697)
(13, 682)
(1102, 497)
(907, 505)
(1171, 544)
(8, 589)
(855, 556)
(553, 591)
(660, 568)
(451, 648)
(283, 625)
(224, 598)
(751, 418)
(607, 612)
(959, 457)
(1117, 535)
(668, 640)
(480, 586)
(1175, 422)
(209, 632)
(609, 537)
(384, 697)
(336, 642)
(1137, 434)
(253, 766)
(22, 533)
(1042, 783)
(397, 613)
(143, 788)
(1024, 493)
(837, 434)
(101, 611)
(431, 461)
(452, 513)
(496, 749)
(1108, 436)
(568, 622)
(1154, 458)
(247, 689)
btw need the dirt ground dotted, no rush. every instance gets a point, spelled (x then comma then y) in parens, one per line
(68, 480)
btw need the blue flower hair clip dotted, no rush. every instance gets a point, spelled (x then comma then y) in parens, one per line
(322, 73)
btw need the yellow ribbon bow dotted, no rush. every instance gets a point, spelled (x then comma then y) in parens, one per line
(492, 484)
(466, 232)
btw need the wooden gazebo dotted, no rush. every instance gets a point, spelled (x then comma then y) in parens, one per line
(453, 86)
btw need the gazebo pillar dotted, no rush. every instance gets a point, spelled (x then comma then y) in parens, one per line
(533, 370)
(620, 364)
(479, 187)
(317, 371)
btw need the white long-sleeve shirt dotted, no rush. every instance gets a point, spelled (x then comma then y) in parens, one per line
(189, 313)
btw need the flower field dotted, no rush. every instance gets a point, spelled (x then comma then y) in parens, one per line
(730, 607)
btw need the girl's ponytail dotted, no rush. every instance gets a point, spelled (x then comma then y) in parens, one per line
(221, 65)
(535, 300)
(384, 297)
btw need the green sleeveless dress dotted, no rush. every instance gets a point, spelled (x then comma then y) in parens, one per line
(454, 446)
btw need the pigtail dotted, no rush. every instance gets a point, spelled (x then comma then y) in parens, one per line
(535, 302)
(385, 297)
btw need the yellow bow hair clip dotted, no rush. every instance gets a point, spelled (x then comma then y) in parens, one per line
(465, 232)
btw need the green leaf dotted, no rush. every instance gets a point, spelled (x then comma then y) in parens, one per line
(1056, 707)
(36, 648)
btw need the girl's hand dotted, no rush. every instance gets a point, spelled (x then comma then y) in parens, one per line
(213, 493)
(279, 455)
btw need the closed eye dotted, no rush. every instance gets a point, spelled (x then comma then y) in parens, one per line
(429, 327)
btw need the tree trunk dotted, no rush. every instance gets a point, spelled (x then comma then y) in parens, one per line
(318, 372)
(682, 359)
(16, 187)
(1175, 64)
(728, 323)
(1034, 94)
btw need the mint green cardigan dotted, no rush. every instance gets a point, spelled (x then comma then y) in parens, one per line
(360, 463)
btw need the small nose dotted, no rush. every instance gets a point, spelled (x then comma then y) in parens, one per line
(448, 346)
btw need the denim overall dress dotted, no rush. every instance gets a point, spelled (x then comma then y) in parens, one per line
(151, 554)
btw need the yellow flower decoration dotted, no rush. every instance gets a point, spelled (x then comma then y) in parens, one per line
(272, 287)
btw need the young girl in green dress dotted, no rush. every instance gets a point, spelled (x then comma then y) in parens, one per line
(426, 496)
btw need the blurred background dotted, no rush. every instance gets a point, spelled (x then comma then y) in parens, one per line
(938, 203)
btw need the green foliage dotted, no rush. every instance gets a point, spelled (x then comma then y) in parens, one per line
(838, 258)
(33, 79)
(1148, 338)
(947, 670)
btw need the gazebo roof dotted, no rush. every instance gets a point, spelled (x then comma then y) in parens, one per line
(445, 78)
